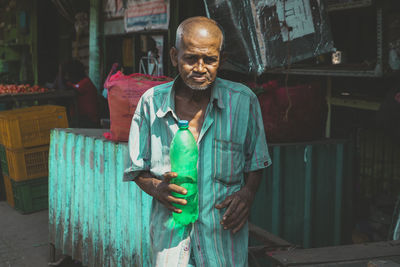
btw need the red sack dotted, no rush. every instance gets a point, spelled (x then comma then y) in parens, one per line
(124, 92)
(303, 121)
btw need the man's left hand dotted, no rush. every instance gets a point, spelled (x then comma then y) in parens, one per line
(238, 209)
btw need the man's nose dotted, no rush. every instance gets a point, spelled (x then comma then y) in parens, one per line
(199, 67)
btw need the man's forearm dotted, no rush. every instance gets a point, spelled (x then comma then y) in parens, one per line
(253, 180)
(147, 182)
(161, 189)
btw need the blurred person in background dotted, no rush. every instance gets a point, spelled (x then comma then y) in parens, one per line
(72, 76)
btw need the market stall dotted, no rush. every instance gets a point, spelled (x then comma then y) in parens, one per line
(306, 196)
(14, 96)
(68, 97)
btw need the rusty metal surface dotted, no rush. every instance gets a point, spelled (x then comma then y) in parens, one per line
(93, 215)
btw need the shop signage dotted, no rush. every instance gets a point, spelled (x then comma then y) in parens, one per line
(143, 15)
(113, 8)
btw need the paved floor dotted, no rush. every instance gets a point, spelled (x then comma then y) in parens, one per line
(24, 239)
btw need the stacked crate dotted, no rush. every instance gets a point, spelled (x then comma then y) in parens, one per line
(24, 151)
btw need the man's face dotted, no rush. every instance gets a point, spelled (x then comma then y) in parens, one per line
(198, 60)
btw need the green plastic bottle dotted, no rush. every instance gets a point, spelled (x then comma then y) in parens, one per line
(183, 156)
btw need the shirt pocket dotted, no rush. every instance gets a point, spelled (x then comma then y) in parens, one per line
(228, 162)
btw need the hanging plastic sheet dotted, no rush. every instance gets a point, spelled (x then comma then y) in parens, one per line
(266, 34)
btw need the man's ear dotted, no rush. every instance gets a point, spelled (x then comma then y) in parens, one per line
(173, 53)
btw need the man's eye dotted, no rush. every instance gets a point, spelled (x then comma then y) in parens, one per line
(210, 60)
(191, 58)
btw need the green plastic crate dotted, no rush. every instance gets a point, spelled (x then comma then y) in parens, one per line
(3, 160)
(2, 188)
(9, 54)
(11, 35)
(30, 196)
(3, 66)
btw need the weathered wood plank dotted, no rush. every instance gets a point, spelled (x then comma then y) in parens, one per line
(337, 254)
(266, 237)
(384, 263)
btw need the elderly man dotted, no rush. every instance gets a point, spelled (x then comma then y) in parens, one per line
(225, 119)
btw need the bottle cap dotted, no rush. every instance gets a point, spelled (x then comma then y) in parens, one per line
(183, 124)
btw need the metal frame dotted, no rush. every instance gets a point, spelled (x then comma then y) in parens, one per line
(342, 6)
(351, 103)
(355, 103)
(149, 60)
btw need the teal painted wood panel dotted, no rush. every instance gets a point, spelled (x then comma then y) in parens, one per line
(306, 195)
(93, 215)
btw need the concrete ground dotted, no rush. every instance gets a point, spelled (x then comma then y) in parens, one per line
(24, 239)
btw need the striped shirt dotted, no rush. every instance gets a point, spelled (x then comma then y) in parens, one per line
(231, 142)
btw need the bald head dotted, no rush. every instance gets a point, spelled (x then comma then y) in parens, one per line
(198, 27)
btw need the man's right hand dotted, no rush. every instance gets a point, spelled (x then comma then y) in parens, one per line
(162, 189)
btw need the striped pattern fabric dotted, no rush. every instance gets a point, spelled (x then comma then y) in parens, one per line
(231, 142)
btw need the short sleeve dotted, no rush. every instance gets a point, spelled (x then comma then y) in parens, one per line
(83, 86)
(139, 143)
(256, 149)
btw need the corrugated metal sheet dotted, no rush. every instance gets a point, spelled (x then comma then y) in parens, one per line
(102, 221)
(305, 197)
(93, 215)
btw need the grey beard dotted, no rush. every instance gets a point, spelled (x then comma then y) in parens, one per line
(197, 88)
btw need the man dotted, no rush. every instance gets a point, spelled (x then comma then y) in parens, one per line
(225, 119)
(71, 75)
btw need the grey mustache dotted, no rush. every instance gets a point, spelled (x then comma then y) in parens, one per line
(194, 75)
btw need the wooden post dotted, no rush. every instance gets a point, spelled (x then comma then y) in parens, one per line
(174, 23)
(34, 42)
(94, 43)
(328, 101)
(276, 192)
(308, 197)
(338, 194)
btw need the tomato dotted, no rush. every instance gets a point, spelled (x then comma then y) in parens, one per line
(21, 89)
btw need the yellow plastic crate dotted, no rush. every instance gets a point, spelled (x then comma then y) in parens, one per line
(25, 164)
(29, 127)
(9, 191)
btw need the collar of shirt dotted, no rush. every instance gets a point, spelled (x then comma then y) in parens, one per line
(168, 105)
